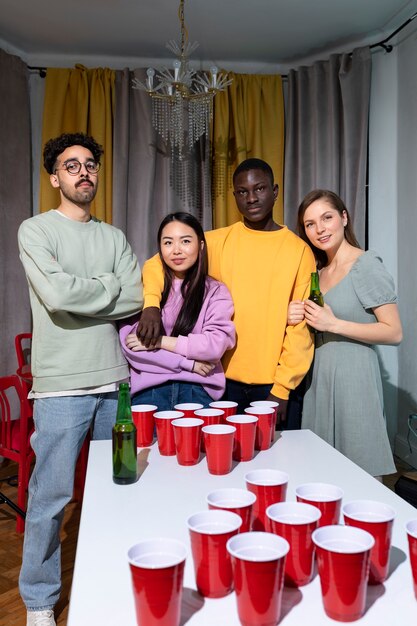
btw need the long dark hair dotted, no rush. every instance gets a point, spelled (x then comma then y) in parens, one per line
(193, 287)
(336, 203)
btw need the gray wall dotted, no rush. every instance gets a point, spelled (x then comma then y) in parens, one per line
(393, 220)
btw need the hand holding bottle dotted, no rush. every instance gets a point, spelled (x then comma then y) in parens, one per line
(321, 318)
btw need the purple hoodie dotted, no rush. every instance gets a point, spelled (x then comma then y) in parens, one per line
(212, 335)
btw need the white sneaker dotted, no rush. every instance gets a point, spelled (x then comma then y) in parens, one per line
(40, 618)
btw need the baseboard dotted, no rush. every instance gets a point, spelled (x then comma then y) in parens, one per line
(403, 451)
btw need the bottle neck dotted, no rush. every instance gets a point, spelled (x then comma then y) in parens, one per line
(314, 285)
(124, 412)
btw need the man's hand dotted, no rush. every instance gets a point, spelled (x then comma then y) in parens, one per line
(203, 367)
(281, 409)
(149, 327)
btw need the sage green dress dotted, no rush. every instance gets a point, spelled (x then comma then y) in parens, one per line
(343, 403)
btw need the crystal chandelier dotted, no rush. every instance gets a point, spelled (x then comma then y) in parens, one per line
(182, 99)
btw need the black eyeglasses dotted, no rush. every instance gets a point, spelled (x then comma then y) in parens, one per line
(73, 167)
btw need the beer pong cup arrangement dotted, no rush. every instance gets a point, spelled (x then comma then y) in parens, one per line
(411, 529)
(187, 434)
(227, 406)
(209, 533)
(270, 404)
(188, 408)
(157, 569)
(165, 431)
(244, 443)
(143, 418)
(218, 442)
(296, 522)
(378, 519)
(265, 426)
(326, 497)
(343, 558)
(269, 487)
(209, 416)
(258, 570)
(239, 501)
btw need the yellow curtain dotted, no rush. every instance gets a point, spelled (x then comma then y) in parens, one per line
(80, 100)
(248, 122)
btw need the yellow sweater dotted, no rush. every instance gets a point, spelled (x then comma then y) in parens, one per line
(264, 271)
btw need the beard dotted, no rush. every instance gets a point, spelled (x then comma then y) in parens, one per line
(80, 196)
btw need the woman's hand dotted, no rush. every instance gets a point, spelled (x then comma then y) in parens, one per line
(321, 318)
(203, 367)
(295, 313)
(135, 344)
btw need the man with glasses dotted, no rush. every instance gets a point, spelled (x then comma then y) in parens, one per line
(83, 276)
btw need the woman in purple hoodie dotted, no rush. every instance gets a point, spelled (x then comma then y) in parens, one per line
(196, 312)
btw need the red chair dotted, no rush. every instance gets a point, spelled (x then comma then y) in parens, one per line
(23, 347)
(15, 436)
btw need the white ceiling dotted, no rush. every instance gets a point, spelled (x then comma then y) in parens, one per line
(258, 32)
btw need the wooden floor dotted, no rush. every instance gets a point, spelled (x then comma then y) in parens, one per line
(12, 610)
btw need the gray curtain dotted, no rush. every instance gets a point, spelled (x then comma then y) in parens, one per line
(15, 203)
(146, 186)
(327, 133)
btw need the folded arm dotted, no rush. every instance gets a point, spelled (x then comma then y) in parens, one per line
(108, 294)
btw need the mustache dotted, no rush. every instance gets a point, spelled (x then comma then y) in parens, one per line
(83, 181)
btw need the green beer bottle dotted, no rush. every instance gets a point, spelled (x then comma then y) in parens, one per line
(124, 440)
(315, 293)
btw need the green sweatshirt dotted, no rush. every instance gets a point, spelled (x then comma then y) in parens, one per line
(82, 277)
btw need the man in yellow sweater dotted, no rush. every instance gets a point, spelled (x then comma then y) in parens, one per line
(265, 266)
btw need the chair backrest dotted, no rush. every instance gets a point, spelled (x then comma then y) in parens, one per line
(15, 416)
(23, 347)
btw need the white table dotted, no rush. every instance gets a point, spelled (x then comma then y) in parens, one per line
(114, 517)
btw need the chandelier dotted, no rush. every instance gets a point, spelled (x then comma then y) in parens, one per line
(182, 99)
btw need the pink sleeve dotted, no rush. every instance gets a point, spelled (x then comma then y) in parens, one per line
(155, 361)
(217, 329)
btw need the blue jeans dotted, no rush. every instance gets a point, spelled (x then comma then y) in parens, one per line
(167, 395)
(61, 425)
(244, 394)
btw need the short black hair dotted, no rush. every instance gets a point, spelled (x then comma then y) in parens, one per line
(54, 147)
(254, 164)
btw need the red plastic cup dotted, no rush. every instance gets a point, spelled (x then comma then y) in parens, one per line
(239, 501)
(378, 519)
(228, 406)
(411, 529)
(296, 522)
(258, 572)
(265, 426)
(165, 431)
(209, 533)
(269, 487)
(218, 442)
(187, 436)
(143, 419)
(326, 497)
(157, 570)
(271, 404)
(209, 417)
(188, 408)
(343, 556)
(244, 445)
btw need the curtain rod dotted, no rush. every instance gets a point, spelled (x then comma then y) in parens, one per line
(382, 44)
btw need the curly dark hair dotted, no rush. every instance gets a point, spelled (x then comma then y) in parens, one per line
(54, 147)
